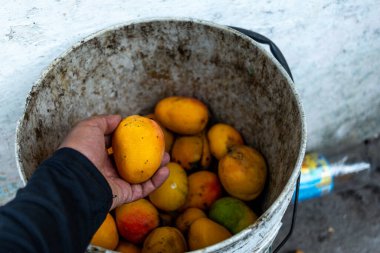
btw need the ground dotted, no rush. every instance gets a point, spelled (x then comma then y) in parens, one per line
(346, 220)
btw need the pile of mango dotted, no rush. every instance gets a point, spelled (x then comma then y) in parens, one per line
(213, 177)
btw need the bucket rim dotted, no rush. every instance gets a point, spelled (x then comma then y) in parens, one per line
(289, 186)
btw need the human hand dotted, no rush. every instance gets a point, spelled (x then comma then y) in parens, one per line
(91, 137)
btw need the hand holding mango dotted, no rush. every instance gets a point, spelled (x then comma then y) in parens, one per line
(213, 176)
(138, 148)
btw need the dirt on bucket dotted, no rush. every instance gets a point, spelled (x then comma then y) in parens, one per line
(128, 68)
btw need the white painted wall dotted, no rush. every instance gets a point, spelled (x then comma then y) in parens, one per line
(332, 47)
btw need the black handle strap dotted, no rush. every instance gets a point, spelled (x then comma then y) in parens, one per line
(281, 59)
(273, 48)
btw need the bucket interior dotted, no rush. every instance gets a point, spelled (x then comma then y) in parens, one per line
(128, 69)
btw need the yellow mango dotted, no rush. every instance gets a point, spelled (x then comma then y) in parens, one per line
(221, 138)
(138, 147)
(204, 189)
(173, 192)
(204, 232)
(185, 219)
(182, 115)
(187, 151)
(106, 236)
(168, 136)
(206, 153)
(164, 240)
(243, 172)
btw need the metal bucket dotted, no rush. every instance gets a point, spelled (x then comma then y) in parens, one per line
(127, 68)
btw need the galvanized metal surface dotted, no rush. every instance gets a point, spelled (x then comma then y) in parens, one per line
(126, 69)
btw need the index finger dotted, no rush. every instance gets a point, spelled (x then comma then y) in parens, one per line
(165, 159)
(106, 123)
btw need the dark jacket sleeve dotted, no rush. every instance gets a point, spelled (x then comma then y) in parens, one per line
(59, 210)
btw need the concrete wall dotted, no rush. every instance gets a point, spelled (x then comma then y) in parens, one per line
(332, 48)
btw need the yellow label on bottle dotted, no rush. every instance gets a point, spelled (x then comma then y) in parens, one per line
(316, 177)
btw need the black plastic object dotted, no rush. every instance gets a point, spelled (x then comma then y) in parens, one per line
(281, 59)
(273, 48)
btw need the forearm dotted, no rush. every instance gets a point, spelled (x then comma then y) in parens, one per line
(63, 204)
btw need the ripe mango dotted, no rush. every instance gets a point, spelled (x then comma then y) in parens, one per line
(138, 146)
(185, 219)
(172, 194)
(187, 151)
(192, 151)
(165, 240)
(204, 189)
(182, 115)
(206, 153)
(204, 232)
(168, 136)
(221, 138)
(243, 172)
(106, 236)
(136, 219)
